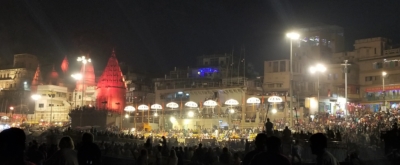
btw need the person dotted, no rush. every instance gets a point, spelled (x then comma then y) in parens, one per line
(272, 156)
(318, 144)
(12, 147)
(260, 141)
(173, 159)
(89, 152)
(236, 159)
(198, 154)
(225, 157)
(269, 127)
(143, 159)
(296, 151)
(65, 155)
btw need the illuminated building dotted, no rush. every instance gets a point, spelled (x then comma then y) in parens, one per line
(316, 44)
(53, 104)
(111, 87)
(372, 56)
(213, 79)
(15, 82)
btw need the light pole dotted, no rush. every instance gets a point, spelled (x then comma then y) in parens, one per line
(35, 97)
(78, 76)
(51, 106)
(383, 90)
(12, 113)
(292, 36)
(130, 109)
(84, 60)
(320, 69)
(345, 83)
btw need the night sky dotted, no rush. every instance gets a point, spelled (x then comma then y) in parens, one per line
(154, 36)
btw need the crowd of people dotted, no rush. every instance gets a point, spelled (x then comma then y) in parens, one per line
(270, 146)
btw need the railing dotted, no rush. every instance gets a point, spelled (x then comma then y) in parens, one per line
(380, 98)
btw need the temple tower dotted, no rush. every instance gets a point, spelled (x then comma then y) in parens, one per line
(36, 80)
(111, 87)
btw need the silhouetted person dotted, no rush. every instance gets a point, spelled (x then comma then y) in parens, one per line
(225, 157)
(260, 142)
(143, 158)
(66, 154)
(394, 127)
(318, 144)
(269, 127)
(198, 154)
(89, 152)
(287, 133)
(12, 146)
(296, 151)
(273, 155)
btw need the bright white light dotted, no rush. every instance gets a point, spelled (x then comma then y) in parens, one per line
(172, 119)
(187, 94)
(25, 82)
(190, 113)
(321, 68)
(293, 35)
(186, 121)
(312, 117)
(143, 107)
(180, 93)
(231, 102)
(156, 114)
(36, 97)
(231, 111)
(253, 100)
(312, 70)
(126, 116)
(210, 103)
(84, 60)
(129, 109)
(77, 76)
(384, 73)
(274, 111)
(191, 104)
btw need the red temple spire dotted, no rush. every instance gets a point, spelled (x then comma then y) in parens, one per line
(111, 87)
(36, 80)
(64, 65)
(53, 77)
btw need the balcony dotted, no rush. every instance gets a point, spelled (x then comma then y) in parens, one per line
(380, 98)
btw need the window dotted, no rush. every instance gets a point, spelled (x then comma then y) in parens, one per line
(79, 96)
(375, 50)
(335, 76)
(377, 65)
(41, 105)
(279, 85)
(275, 66)
(368, 78)
(282, 66)
(271, 85)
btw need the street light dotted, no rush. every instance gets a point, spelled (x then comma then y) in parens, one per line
(35, 97)
(11, 108)
(319, 68)
(383, 90)
(130, 109)
(292, 36)
(84, 60)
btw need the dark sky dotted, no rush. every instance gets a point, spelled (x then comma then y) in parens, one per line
(155, 36)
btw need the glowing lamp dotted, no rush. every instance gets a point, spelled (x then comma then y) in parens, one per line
(274, 111)
(190, 113)
(231, 111)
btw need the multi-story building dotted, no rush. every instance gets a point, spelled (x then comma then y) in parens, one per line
(316, 45)
(199, 95)
(53, 106)
(374, 56)
(15, 83)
